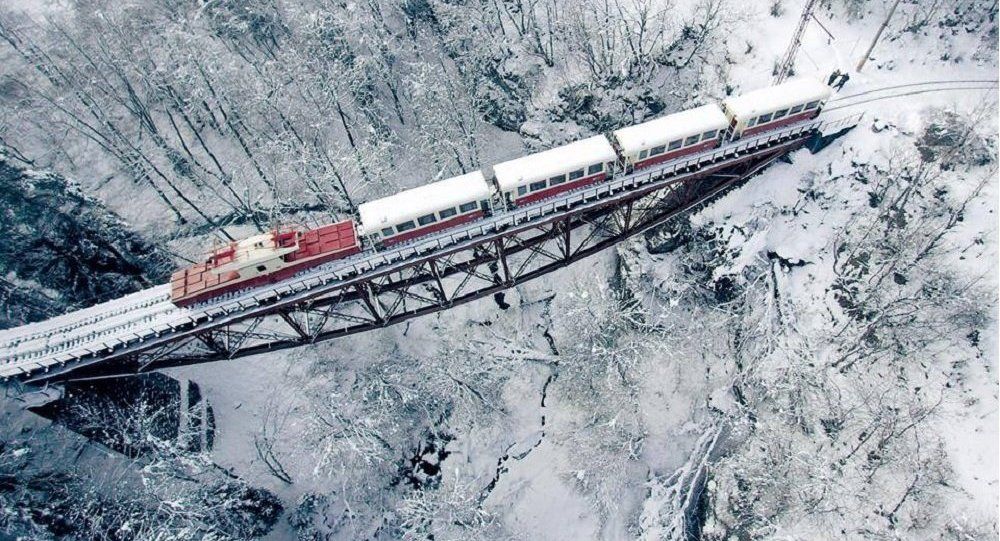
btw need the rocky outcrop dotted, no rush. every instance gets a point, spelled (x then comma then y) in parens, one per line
(62, 249)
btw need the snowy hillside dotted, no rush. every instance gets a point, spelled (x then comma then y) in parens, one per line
(812, 355)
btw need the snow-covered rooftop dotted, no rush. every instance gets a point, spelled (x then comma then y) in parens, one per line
(410, 204)
(785, 95)
(542, 165)
(669, 128)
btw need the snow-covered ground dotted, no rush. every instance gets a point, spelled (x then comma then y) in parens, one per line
(573, 414)
(541, 483)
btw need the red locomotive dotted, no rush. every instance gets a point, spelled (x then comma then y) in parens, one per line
(262, 259)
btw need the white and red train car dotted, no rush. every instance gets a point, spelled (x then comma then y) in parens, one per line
(425, 209)
(544, 174)
(420, 211)
(775, 107)
(672, 136)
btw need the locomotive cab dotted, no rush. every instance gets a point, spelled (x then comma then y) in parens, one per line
(257, 255)
(262, 259)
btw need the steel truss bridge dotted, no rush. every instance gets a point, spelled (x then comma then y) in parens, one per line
(145, 331)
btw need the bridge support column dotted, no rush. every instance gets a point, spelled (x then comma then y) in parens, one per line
(371, 301)
(437, 280)
(502, 256)
(567, 245)
(294, 325)
(183, 413)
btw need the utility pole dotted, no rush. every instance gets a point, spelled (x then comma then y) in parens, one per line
(785, 68)
(878, 35)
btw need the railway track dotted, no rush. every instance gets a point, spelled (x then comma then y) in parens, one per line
(908, 89)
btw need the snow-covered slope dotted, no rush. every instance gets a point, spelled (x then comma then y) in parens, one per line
(813, 355)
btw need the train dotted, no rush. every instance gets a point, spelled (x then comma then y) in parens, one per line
(437, 206)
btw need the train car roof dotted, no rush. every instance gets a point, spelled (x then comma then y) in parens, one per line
(669, 128)
(415, 202)
(542, 165)
(766, 100)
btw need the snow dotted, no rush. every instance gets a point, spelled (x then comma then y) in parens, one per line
(968, 427)
(141, 310)
(783, 96)
(427, 199)
(669, 128)
(544, 494)
(540, 500)
(559, 160)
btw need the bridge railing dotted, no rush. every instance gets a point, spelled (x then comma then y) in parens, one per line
(614, 184)
(568, 199)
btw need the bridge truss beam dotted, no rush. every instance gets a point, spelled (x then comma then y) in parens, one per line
(435, 281)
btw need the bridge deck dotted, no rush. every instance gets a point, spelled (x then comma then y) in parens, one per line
(148, 316)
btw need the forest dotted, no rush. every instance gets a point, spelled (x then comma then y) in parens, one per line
(811, 355)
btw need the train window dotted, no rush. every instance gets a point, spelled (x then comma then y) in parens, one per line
(521, 190)
(691, 140)
(812, 105)
(796, 109)
(709, 135)
(447, 213)
(573, 175)
(535, 186)
(471, 205)
(387, 232)
(752, 122)
(261, 268)
(780, 114)
(643, 154)
(427, 219)
(557, 180)
(406, 226)
(656, 151)
(596, 168)
(674, 145)
(764, 119)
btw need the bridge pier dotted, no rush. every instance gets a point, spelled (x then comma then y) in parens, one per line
(195, 424)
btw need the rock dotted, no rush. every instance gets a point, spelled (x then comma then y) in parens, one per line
(63, 249)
